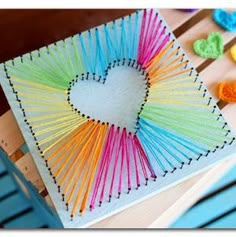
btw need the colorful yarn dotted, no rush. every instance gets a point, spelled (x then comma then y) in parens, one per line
(93, 161)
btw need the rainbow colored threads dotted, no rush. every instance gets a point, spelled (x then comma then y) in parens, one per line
(115, 108)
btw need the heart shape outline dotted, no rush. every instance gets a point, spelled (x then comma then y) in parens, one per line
(89, 76)
(225, 19)
(212, 47)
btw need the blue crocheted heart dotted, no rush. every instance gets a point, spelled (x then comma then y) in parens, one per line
(225, 19)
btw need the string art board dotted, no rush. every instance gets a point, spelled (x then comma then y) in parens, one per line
(114, 115)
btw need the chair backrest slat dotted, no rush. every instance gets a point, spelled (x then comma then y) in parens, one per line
(20, 204)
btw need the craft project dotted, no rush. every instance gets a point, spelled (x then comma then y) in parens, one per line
(227, 20)
(114, 115)
(212, 47)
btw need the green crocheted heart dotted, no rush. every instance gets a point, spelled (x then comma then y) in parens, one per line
(211, 48)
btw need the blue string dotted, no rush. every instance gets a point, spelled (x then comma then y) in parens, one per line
(168, 141)
(184, 142)
(150, 142)
(118, 44)
(148, 148)
(102, 63)
(93, 53)
(112, 53)
(116, 40)
(85, 56)
(161, 144)
(129, 40)
(123, 40)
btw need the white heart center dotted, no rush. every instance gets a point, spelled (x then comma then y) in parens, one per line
(117, 101)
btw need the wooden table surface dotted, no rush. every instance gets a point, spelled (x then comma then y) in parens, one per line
(26, 30)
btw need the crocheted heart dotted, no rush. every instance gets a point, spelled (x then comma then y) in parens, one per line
(233, 52)
(210, 48)
(225, 19)
(227, 91)
(118, 99)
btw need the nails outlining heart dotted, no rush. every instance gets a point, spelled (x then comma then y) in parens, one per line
(117, 100)
(225, 19)
(212, 47)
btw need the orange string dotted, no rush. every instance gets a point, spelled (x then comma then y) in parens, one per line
(162, 63)
(153, 80)
(75, 166)
(167, 68)
(96, 156)
(84, 153)
(55, 152)
(155, 60)
(74, 142)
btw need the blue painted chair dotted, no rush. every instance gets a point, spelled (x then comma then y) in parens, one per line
(20, 204)
(217, 207)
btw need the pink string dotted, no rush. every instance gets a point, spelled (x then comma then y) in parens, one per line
(116, 161)
(102, 165)
(154, 31)
(153, 51)
(140, 44)
(153, 41)
(118, 141)
(109, 157)
(146, 34)
(123, 139)
(144, 157)
(140, 159)
(166, 39)
(135, 162)
(128, 161)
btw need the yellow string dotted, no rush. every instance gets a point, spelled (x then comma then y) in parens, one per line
(37, 85)
(50, 116)
(58, 134)
(44, 124)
